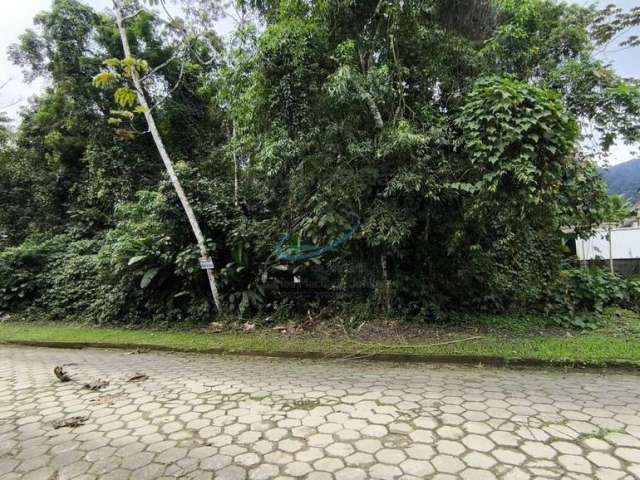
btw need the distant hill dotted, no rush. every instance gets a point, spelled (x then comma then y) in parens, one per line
(624, 179)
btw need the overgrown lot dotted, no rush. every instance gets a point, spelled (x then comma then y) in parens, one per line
(418, 160)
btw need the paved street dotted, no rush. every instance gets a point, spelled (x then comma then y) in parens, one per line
(206, 417)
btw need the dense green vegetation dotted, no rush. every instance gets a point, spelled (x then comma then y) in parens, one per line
(433, 145)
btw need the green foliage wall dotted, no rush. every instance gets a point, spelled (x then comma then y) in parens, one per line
(453, 144)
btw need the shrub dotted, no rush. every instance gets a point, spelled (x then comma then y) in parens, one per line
(70, 281)
(579, 296)
(142, 267)
(21, 268)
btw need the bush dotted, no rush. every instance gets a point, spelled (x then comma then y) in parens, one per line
(580, 295)
(146, 267)
(56, 274)
(70, 281)
(21, 268)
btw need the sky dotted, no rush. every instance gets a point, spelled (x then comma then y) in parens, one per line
(18, 15)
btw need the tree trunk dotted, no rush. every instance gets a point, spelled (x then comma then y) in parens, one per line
(386, 282)
(235, 166)
(371, 103)
(193, 221)
(610, 250)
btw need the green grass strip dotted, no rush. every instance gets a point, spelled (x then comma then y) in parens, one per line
(592, 349)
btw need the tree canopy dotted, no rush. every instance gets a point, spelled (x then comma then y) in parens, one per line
(448, 136)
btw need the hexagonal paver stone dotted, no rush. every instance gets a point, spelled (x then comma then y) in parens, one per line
(506, 439)
(510, 457)
(264, 472)
(538, 450)
(278, 457)
(350, 473)
(418, 468)
(148, 472)
(604, 460)
(232, 472)
(420, 452)
(247, 459)
(450, 447)
(449, 432)
(423, 436)
(629, 454)
(447, 464)
(172, 455)
(359, 459)
(330, 428)
(215, 462)
(138, 460)
(475, 474)
(275, 434)
(328, 464)
(596, 444)
(567, 448)
(390, 455)
(74, 470)
(346, 435)
(339, 449)
(309, 454)
(297, 469)
(263, 447)
(478, 443)
(290, 445)
(622, 440)
(427, 423)
(375, 431)
(248, 437)
(608, 474)
(319, 440)
(575, 463)
(27, 465)
(202, 452)
(319, 476)
(384, 472)
(369, 445)
(479, 460)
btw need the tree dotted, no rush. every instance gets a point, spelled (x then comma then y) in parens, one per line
(4, 123)
(554, 45)
(131, 70)
(613, 24)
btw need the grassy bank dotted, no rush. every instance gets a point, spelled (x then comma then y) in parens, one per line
(609, 345)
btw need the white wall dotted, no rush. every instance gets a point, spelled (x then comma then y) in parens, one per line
(625, 242)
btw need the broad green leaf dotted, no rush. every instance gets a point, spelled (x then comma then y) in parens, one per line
(125, 97)
(148, 276)
(136, 259)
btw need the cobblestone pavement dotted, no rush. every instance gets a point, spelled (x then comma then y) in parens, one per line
(217, 417)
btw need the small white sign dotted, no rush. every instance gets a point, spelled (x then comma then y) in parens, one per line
(206, 263)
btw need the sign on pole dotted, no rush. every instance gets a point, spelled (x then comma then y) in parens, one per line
(206, 263)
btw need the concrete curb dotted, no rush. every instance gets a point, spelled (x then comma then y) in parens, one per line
(469, 360)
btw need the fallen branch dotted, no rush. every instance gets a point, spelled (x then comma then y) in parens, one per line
(381, 348)
(138, 377)
(417, 345)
